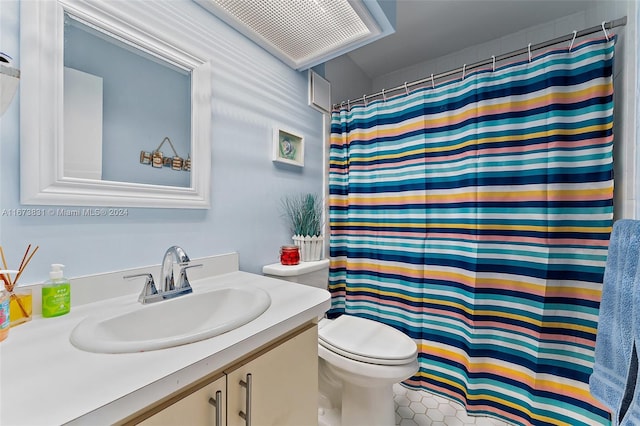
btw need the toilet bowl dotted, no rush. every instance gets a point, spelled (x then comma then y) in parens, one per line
(367, 357)
(359, 360)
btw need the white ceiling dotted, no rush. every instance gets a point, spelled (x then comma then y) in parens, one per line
(427, 29)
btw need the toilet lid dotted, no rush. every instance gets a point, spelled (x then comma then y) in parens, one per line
(366, 340)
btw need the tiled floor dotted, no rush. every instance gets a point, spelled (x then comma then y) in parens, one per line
(419, 408)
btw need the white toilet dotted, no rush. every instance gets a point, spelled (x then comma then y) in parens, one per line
(360, 359)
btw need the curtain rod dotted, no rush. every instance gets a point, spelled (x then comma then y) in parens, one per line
(569, 37)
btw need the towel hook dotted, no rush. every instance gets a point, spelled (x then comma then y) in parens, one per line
(494, 62)
(433, 82)
(406, 89)
(529, 50)
(575, 33)
(606, 34)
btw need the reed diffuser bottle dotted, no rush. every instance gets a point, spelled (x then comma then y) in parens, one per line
(19, 299)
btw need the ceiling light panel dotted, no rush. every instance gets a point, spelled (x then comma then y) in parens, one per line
(297, 31)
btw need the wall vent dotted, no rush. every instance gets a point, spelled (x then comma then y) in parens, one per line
(302, 33)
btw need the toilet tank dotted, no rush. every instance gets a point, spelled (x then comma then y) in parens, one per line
(315, 274)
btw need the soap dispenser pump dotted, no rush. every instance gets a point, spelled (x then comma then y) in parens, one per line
(56, 293)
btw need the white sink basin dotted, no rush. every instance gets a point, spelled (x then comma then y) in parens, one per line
(173, 322)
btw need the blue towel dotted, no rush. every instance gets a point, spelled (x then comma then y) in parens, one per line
(616, 327)
(629, 414)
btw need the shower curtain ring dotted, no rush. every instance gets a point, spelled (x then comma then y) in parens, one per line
(529, 50)
(606, 34)
(364, 99)
(348, 105)
(494, 62)
(433, 82)
(464, 68)
(406, 89)
(575, 33)
(384, 98)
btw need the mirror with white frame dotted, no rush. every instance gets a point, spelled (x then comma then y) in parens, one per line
(111, 114)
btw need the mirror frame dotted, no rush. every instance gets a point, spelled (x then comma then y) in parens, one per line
(42, 179)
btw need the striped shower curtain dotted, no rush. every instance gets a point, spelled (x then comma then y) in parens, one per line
(475, 216)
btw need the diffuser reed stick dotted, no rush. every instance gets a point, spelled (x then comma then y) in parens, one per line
(24, 264)
(24, 257)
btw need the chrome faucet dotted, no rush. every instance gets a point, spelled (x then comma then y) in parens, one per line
(174, 256)
(167, 277)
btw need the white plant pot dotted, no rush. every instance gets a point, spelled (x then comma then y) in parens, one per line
(310, 247)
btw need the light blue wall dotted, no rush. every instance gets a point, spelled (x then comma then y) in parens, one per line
(252, 93)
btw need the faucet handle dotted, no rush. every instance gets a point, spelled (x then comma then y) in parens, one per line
(149, 288)
(184, 281)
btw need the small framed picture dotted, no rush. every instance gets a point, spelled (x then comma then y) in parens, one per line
(288, 147)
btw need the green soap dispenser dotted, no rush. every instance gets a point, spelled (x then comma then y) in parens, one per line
(56, 293)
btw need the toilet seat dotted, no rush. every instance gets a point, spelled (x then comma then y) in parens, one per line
(365, 340)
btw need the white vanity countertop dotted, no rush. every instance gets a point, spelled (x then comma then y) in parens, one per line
(45, 380)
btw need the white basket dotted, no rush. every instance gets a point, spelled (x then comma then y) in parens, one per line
(310, 247)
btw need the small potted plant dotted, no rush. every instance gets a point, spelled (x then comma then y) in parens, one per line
(303, 213)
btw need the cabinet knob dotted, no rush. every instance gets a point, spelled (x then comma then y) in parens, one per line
(217, 403)
(246, 414)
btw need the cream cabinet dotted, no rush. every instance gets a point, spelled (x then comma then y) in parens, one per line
(274, 386)
(203, 407)
(278, 387)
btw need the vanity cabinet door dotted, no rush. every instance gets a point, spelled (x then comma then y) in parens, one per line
(283, 385)
(195, 409)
